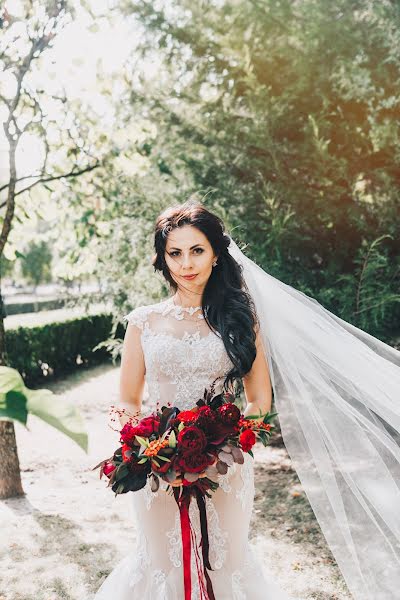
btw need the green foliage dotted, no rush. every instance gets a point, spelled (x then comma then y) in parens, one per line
(368, 297)
(36, 264)
(57, 348)
(17, 402)
(288, 113)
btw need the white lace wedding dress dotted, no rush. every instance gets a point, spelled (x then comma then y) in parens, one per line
(182, 357)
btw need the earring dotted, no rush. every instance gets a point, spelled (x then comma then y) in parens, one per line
(214, 263)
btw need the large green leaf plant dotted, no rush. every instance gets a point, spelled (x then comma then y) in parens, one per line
(17, 402)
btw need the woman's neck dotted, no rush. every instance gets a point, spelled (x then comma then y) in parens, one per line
(187, 300)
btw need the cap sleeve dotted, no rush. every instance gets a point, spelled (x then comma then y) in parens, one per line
(137, 316)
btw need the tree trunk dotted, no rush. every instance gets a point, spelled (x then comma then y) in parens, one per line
(10, 476)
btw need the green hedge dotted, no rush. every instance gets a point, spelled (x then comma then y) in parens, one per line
(15, 308)
(56, 348)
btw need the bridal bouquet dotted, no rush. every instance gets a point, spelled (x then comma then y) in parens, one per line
(185, 448)
(188, 449)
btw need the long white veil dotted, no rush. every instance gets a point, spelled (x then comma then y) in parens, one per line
(337, 392)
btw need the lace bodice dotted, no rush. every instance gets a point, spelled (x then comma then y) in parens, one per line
(182, 355)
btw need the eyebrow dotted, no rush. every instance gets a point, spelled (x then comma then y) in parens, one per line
(191, 247)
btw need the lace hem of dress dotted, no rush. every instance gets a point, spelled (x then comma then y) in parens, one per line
(163, 588)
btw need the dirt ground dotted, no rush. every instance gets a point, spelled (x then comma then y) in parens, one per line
(62, 538)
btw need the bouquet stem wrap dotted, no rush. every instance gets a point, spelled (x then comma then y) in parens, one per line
(183, 502)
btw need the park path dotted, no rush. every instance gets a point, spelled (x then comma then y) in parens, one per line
(66, 534)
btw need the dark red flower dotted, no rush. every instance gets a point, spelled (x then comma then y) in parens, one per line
(127, 434)
(217, 432)
(229, 413)
(247, 439)
(144, 428)
(187, 416)
(194, 462)
(205, 417)
(191, 439)
(148, 425)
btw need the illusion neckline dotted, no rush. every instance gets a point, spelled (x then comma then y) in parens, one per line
(179, 307)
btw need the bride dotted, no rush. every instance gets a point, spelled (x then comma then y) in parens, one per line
(334, 387)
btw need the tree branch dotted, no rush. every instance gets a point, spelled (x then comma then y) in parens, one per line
(72, 173)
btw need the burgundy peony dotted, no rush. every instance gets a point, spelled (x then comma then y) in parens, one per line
(205, 417)
(229, 413)
(247, 439)
(195, 463)
(191, 439)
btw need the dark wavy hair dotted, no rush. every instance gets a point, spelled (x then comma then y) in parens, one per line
(226, 303)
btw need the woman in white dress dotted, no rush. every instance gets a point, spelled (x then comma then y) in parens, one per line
(336, 389)
(206, 332)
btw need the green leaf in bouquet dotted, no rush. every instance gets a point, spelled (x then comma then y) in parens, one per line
(164, 458)
(142, 460)
(251, 453)
(269, 416)
(17, 401)
(118, 454)
(181, 426)
(156, 463)
(172, 439)
(112, 478)
(119, 489)
(121, 471)
(143, 441)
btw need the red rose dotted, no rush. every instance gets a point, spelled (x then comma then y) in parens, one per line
(187, 416)
(127, 434)
(108, 468)
(191, 439)
(247, 439)
(195, 463)
(145, 428)
(148, 425)
(229, 413)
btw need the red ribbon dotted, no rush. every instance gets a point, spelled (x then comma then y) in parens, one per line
(188, 534)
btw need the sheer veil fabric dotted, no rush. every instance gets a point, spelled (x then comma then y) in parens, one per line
(337, 392)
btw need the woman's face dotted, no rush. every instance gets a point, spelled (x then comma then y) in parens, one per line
(188, 252)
